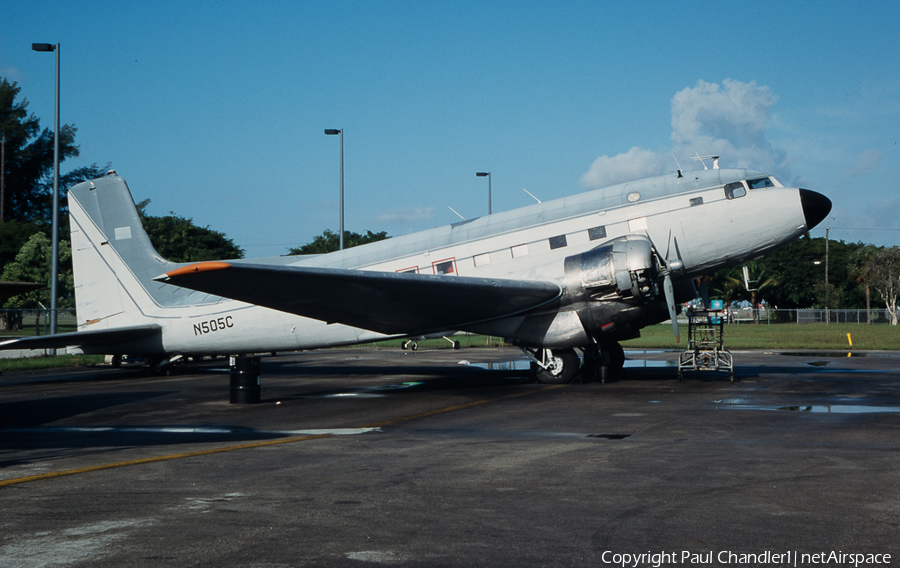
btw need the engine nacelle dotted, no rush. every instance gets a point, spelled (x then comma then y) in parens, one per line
(624, 267)
(611, 292)
(615, 288)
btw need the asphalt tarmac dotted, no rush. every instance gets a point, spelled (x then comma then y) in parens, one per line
(382, 457)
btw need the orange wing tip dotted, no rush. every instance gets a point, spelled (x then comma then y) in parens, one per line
(199, 267)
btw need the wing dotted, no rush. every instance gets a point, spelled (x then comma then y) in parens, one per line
(386, 302)
(95, 338)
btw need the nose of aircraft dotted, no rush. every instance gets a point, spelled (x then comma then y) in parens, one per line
(815, 207)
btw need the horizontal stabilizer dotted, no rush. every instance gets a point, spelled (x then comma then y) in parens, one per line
(93, 338)
(385, 302)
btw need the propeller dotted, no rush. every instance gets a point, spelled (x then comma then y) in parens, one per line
(666, 268)
(669, 290)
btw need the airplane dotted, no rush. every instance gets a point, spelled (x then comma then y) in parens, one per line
(582, 272)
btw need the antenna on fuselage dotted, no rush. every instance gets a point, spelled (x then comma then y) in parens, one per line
(699, 158)
(457, 212)
(532, 195)
(676, 162)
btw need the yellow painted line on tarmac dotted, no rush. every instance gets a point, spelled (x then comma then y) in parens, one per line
(407, 418)
(101, 467)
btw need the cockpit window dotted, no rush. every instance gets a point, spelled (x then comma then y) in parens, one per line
(735, 190)
(761, 182)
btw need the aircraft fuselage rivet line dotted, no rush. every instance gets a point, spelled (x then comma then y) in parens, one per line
(369, 427)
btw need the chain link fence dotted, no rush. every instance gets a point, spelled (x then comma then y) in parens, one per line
(806, 316)
(35, 322)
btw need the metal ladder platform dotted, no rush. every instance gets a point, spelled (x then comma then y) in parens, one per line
(705, 350)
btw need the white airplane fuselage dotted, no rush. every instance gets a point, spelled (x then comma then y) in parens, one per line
(698, 219)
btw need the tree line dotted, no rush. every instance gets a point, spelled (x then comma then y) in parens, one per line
(816, 273)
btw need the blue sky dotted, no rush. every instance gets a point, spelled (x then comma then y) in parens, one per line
(216, 110)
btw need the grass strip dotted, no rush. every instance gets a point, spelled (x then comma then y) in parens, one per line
(781, 336)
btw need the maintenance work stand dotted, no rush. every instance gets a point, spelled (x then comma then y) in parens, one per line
(705, 351)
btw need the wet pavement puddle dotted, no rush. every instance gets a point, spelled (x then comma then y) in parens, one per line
(738, 404)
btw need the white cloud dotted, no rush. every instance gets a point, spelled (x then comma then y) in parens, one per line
(634, 164)
(406, 215)
(12, 74)
(736, 112)
(867, 161)
(727, 120)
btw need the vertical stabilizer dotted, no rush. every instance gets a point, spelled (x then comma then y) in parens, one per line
(113, 260)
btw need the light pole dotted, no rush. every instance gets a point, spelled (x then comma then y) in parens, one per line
(54, 261)
(332, 132)
(488, 174)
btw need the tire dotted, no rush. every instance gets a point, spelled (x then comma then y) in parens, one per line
(563, 367)
(615, 354)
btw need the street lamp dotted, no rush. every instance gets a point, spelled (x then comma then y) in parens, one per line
(54, 261)
(332, 132)
(488, 174)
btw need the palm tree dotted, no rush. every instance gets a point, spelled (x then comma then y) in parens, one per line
(751, 288)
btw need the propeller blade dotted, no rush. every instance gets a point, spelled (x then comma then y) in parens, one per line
(666, 267)
(670, 302)
(669, 246)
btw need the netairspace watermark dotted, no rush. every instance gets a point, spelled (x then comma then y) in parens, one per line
(729, 558)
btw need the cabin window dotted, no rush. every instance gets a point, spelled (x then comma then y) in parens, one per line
(519, 250)
(759, 183)
(413, 270)
(444, 267)
(735, 190)
(482, 259)
(596, 233)
(696, 201)
(557, 242)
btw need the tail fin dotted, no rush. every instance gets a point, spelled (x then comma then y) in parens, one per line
(114, 262)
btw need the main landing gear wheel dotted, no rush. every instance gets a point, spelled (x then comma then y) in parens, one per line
(602, 362)
(556, 366)
(616, 355)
